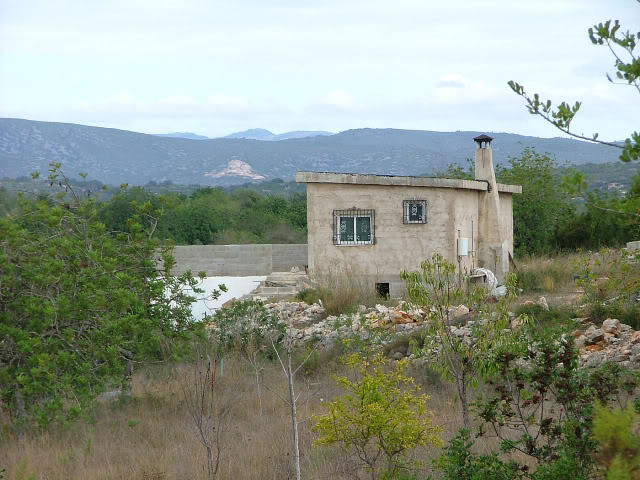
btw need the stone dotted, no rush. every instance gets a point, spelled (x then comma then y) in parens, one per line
(581, 341)
(593, 360)
(635, 350)
(635, 337)
(362, 309)
(459, 311)
(543, 303)
(595, 336)
(611, 325)
(398, 356)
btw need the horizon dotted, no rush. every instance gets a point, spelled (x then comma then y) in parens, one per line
(565, 137)
(213, 68)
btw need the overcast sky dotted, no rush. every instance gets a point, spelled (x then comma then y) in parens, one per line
(214, 67)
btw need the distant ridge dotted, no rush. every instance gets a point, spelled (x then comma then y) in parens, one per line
(118, 156)
(189, 135)
(267, 136)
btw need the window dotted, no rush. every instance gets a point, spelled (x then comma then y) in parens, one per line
(382, 289)
(354, 227)
(415, 211)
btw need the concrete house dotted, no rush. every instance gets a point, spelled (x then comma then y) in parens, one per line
(375, 226)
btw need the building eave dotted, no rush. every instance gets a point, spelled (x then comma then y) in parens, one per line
(396, 180)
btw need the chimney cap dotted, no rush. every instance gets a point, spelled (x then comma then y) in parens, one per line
(480, 139)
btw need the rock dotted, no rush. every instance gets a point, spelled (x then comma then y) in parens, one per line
(594, 336)
(635, 337)
(543, 303)
(398, 356)
(362, 309)
(517, 323)
(593, 360)
(611, 325)
(581, 341)
(635, 350)
(459, 311)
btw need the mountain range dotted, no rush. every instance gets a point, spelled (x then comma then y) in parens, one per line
(118, 156)
(251, 134)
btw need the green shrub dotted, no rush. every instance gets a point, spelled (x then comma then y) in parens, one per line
(458, 462)
(627, 314)
(245, 323)
(554, 316)
(308, 296)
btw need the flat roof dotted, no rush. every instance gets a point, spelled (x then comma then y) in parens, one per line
(369, 179)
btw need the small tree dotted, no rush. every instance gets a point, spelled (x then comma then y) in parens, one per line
(209, 404)
(381, 418)
(460, 359)
(542, 405)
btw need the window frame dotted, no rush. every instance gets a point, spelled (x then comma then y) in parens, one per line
(353, 213)
(406, 205)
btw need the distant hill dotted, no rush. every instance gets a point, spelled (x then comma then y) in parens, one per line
(266, 135)
(189, 135)
(119, 156)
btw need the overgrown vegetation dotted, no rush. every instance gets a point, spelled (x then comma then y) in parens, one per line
(79, 304)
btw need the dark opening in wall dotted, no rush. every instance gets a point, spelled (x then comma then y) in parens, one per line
(382, 289)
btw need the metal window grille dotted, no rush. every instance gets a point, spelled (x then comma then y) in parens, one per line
(354, 227)
(414, 211)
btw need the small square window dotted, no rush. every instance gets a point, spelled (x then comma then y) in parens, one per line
(414, 211)
(353, 227)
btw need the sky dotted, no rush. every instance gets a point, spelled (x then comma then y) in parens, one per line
(214, 67)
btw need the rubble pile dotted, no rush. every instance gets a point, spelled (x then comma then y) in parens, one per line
(307, 322)
(613, 341)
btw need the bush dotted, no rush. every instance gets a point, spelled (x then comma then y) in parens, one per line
(382, 418)
(78, 303)
(308, 296)
(244, 323)
(561, 316)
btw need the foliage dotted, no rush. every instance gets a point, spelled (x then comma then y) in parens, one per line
(619, 447)
(79, 303)
(211, 215)
(245, 323)
(381, 418)
(544, 318)
(543, 205)
(622, 45)
(459, 462)
(435, 289)
(542, 405)
(608, 276)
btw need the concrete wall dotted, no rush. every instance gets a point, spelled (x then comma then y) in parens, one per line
(398, 246)
(239, 260)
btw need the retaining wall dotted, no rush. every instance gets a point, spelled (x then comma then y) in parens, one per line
(239, 260)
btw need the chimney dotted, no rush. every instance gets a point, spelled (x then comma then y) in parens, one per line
(493, 251)
(484, 160)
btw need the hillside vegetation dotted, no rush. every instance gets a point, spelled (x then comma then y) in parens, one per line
(118, 156)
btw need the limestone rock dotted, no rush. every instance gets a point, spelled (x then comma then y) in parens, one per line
(611, 325)
(543, 303)
(595, 336)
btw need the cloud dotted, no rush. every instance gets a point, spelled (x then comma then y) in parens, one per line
(451, 81)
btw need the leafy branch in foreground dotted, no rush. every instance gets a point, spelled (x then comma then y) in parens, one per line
(622, 45)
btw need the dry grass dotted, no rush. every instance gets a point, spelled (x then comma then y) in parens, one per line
(150, 436)
(342, 288)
